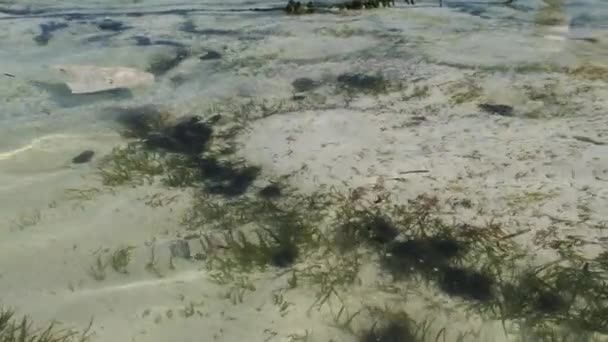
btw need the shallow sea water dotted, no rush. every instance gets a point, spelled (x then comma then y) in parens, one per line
(476, 124)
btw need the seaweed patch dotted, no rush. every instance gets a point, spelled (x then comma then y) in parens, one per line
(161, 64)
(47, 30)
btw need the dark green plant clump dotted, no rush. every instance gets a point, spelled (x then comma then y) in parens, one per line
(365, 227)
(13, 329)
(362, 83)
(269, 192)
(329, 235)
(465, 283)
(572, 294)
(176, 151)
(164, 63)
(392, 331)
(297, 7)
(423, 255)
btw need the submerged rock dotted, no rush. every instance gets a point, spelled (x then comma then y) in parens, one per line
(303, 84)
(189, 136)
(180, 249)
(392, 331)
(270, 192)
(47, 30)
(139, 121)
(164, 63)
(284, 255)
(236, 182)
(210, 55)
(83, 157)
(465, 283)
(111, 25)
(296, 7)
(498, 109)
(362, 82)
(142, 41)
(424, 255)
(381, 230)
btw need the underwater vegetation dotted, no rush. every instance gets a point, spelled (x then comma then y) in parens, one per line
(270, 192)
(394, 330)
(14, 329)
(46, 31)
(112, 25)
(303, 84)
(161, 64)
(297, 7)
(498, 109)
(324, 239)
(176, 151)
(356, 83)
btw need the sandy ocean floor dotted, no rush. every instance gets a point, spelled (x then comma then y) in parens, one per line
(412, 173)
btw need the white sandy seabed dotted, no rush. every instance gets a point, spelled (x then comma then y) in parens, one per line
(543, 170)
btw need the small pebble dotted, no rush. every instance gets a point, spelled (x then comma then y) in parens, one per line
(83, 157)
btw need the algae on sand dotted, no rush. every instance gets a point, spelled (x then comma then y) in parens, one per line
(21, 329)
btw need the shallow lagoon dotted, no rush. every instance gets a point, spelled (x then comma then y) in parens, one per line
(413, 173)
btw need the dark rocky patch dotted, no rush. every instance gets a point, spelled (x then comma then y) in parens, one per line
(47, 30)
(180, 249)
(190, 27)
(284, 255)
(142, 41)
(547, 302)
(188, 136)
(296, 7)
(112, 25)
(13, 10)
(162, 64)
(422, 255)
(220, 177)
(145, 41)
(210, 55)
(100, 38)
(83, 157)
(393, 331)
(370, 228)
(498, 109)
(362, 82)
(380, 229)
(587, 39)
(140, 121)
(187, 139)
(236, 182)
(271, 191)
(465, 283)
(303, 84)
